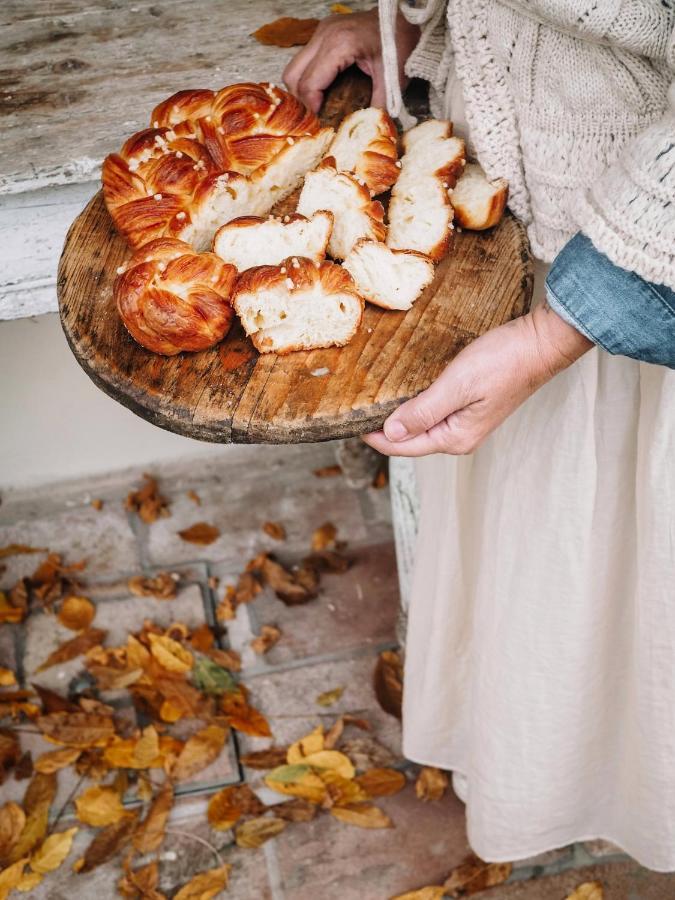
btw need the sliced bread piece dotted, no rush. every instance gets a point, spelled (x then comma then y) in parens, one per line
(355, 214)
(430, 149)
(478, 202)
(392, 279)
(420, 216)
(298, 305)
(253, 241)
(365, 146)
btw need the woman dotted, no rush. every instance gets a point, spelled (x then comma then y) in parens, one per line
(540, 659)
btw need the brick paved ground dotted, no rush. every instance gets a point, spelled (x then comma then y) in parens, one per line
(332, 641)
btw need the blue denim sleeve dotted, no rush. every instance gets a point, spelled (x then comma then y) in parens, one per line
(615, 308)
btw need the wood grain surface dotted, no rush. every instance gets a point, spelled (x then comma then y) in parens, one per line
(232, 394)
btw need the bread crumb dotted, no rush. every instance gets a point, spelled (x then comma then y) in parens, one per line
(295, 263)
(161, 266)
(157, 196)
(318, 373)
(180, 215)
(155, 124)
(398, 163)
(121, 270)
(179, 154)
(282, 270)
(289, 140)
(290, 284)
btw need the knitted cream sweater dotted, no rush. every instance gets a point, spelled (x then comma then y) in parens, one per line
(573, 101)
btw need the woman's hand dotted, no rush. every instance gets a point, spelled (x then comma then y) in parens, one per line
(483, 385)
(338, 42)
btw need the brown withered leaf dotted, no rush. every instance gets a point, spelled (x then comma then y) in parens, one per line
(149, 834)
(14, 606)
(147, 502)
(194, 496)
(199, 751)
(24, 767)
(56, 759)
(363, 815)
(202, 638)
(243, 717)
(297, 810)
(474, 875)
(381, 782)
(275, 530)
(381, 479)
(430, 892)
(162, 586)
(228, 659)
(324, 536)
(226, 609)
(53, 702)
(327, 561)
(255, 832)
(141, 883)
(147, 749)
(18, 549)
(97, 504)
(286, 32)
(205, 885)
(76, 613)
(285, 584)
(10, 751)
(37, 802)
(78, 729)
(334, 734)
(99, 806)
(171, 655)
(230, 804)
(328, 471)
(76, 646)
(431, 783)
(366, 753)
(340, 791)
(341, 9)
(53, 578)
(108, 842)
(201, 533)
(12, 821)
(52, 852)
(265, 759)
(328, 698)
(589, 890)
(268, 637)
(388, 682)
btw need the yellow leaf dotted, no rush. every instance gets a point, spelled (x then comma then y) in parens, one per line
(121, 752)
(328, 698)
(381, 782)
(310, 743)
(170, 713)
(255, 832)
(77, 613)
(364, 815)
(206, 885)
(37, 801)
(11, 876)
(7, 677)
(146, 750)
(286, 32)
(331, 759)
(12, 821)
(53, 851)
(56, 759)
(99, 806)
(198, 752)
(432, 892)
(431, 783)
(29, 881)
(230, 804)
(170, 654)
(150, 833)
(341, 9)
(297, 781)
(340, 791)
(589, 890)
(475, 875)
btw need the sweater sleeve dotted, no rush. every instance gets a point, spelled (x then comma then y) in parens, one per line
(613, 307)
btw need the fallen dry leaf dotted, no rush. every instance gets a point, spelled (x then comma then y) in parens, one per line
(328, 471)
(341, 9)
(73, 648)
(327, 561)
(388, 682)
(292, 588)
(194, 496)
(24, 767)
(381, 480)
(56, 759)
(150, 832)
(265, 759)
(230, 804)
(10, 751)
(171, 655)
(77, 729)
(297, 780)
(589, 890)
(52, 852)
(108, 842)
(205, 885)
(97, 503)
(18, 549)
(141, 883)
(13, 607)
(297, 810)
(381, 782)
(366, 753)
(202, 638)
(328, 698)
(324, 536)
(331, 759)
(146, 750)
(198, 752)
(268, 637)
(11, 877)
(334, 734)
(53, 702)
(7, 677)
(201, 533)
(286, 32)
(309, 743)
(12, 821)
(147, 502)
(162, 586)
(340, 791)
(363, 815)
(275, 530)
(99, 806)
(474, 875)
(226, 659)
(37, 802)
(243, 717)
(431, 783)
(255, 832)
(77, 613)
(431, 892)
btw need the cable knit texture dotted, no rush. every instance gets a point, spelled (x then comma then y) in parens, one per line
(574, 102)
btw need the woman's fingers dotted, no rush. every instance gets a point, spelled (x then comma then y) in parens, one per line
(414, 417)
(295, 68)
(319, 73)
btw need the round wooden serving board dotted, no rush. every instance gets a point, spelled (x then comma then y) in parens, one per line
(233, 394)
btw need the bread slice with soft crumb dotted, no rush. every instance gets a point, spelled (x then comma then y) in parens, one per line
(420, 216)
(430, 149)
(355, 214)
(365, 146)
(254, 241)
(478, 202)
(298, 305)
(392, 279)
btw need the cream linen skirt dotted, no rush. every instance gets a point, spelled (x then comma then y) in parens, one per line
(540, 653)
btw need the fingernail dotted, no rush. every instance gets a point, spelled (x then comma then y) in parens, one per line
(395, 430)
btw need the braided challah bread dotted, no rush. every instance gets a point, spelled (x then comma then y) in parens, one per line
(365, 146)
(253, 241)
(171, 298)
(209, 157)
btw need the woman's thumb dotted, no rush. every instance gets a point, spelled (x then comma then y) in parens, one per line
(414, 417)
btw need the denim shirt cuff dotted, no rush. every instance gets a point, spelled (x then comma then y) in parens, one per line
(614, 308)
